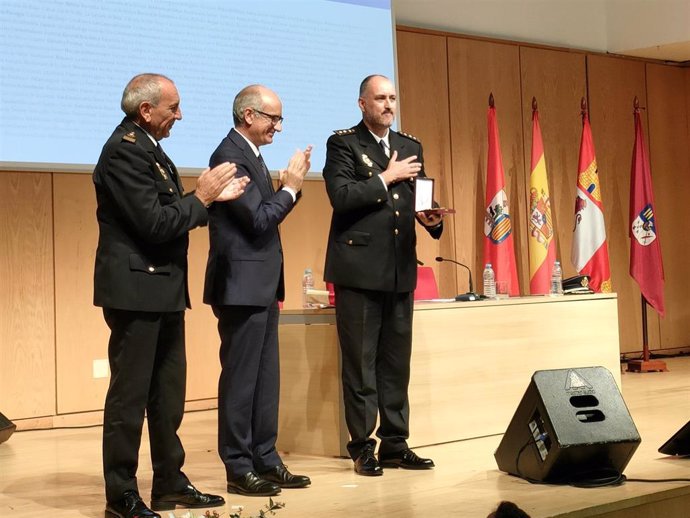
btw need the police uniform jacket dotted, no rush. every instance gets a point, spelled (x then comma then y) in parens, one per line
(143, 219)
(371, 244)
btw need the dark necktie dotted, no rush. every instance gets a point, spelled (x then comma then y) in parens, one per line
(384, 147)
(267, 174)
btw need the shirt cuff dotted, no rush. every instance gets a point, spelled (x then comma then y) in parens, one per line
(292, 193)
(383, 182)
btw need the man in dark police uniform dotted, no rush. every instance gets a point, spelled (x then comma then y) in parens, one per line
(371, 260)
(140, 281)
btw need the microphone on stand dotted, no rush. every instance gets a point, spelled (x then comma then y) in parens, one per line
(470, 295)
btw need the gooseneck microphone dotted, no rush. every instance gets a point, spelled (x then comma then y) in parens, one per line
(470, 295)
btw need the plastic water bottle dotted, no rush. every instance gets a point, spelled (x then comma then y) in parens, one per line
(556, 280)
(307, 284)
(489, 282)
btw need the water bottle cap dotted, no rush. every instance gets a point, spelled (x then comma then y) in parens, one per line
(488, 265)
(557, 263)
(307, 270)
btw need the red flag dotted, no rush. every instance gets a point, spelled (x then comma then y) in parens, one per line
(645, 252)
(590, 253)
(541, 238)
(498, 232)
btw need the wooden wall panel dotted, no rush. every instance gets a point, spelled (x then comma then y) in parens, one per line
(304, 234)
(558, 81)
(203, 367)
(81, 335)
(613, 84)
(476, 69)
(669, 152)
(27, 326)
(423, 94)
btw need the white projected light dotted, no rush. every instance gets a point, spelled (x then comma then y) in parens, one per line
(64, 64)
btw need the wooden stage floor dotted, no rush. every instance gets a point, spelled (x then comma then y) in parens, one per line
(57, 473)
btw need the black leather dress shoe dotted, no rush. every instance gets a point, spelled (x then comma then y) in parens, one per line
(129, 506)
(190, 497)
(280, 476)
(367, 465)
(251, 484)
(406, 459)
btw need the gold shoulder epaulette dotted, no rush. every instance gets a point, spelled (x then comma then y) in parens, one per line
(411, 137)
(130, 137)
(348, 131)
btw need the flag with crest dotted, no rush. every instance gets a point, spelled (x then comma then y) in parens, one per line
(498, 232)
(541, 237)
(646, 266)
(590, 253)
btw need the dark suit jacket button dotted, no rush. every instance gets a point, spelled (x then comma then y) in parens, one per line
(349, 241)
(395, 196)
(152, 269)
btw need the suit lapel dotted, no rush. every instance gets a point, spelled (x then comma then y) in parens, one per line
(397, 144)
(370, 147)
(256, 171)
(166, 170)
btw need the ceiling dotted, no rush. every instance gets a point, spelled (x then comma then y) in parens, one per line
(656, 29)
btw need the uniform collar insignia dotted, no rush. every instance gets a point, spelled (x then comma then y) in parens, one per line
(367, 160)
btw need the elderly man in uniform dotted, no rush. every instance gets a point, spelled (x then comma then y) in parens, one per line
(140, 281)
(371, 260)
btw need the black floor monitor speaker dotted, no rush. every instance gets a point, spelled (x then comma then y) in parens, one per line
(570, 426)
(679, 443)
(7, 428)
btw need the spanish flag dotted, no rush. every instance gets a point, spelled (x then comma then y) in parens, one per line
(541, 238)
(590, 253)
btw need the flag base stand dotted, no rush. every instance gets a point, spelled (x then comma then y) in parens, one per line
(647, 366)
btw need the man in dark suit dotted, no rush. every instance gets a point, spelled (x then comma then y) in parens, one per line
(244, 282)
(140, 282)
(371, 260)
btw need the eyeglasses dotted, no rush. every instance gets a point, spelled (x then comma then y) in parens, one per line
(275, 119)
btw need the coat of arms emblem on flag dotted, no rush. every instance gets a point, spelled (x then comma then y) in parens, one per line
(540, 224)
(497, 226)
(643, 228)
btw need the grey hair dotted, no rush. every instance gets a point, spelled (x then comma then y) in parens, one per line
(249, 97)
(365, 83)
(141, 88)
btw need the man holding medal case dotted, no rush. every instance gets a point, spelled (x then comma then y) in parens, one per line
(370, 174)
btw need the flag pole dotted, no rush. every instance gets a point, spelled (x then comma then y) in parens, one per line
(645, 364)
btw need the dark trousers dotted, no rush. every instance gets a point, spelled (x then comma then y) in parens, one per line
(248, 389)
(147, 374)
(375, 335)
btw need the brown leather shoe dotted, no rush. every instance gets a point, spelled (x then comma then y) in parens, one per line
(250, 484)
(129, 506)
(280, 476)
(190, 498)
(406, 459)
